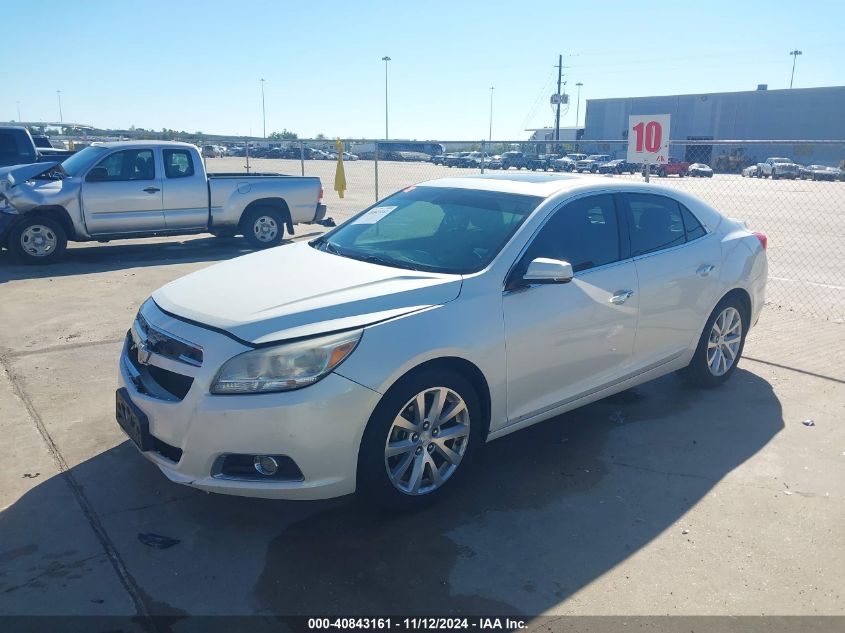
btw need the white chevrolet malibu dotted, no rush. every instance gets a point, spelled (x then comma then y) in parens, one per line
(380, 357)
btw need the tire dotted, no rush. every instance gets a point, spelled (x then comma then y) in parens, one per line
(375, 485)
(662, 173)
(774, 175)
(699, 372)
(38, 239)
(264, 227)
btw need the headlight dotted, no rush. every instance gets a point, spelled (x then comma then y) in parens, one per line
(285, 367)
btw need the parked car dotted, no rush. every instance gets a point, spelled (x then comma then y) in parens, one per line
(473, 160)
(438, 159)
(618, 166)
(349, 156)
(750, 172)
(775, 168)
(542, 162)
(591, 163)
(381, 356)
(514, 159)
(819, 172)
(673, 167)
(700, 170)
(211, 151)
(117, 190)
(567, 163)
(454, 159)
(17, 147)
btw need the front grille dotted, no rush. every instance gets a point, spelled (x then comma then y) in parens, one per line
(173, 384)
(168, 345)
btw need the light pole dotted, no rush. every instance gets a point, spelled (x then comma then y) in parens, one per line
(19, 112)
(263, 111)
(795, 55)
(385, 59)
(59, 94)
(578, 107)
(492, 88)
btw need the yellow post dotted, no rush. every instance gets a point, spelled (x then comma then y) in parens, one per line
(340, 174)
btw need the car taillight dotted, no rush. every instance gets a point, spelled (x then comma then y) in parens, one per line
(764, 241)
(320, 197)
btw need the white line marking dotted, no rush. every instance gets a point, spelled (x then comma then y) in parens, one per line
(811, 283)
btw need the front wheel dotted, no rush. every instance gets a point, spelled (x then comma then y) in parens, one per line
(38, 240)
(264, 227)
(720, 346)
(420, 440)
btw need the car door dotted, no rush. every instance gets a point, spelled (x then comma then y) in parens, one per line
(677, 264)
(566, 340)
(122, 194)
(185, 193)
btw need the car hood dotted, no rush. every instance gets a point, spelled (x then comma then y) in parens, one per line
(296, 290)
(15, 174)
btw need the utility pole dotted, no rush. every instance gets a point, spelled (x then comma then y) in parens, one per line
(795, 55)
(490, 138)
(578, 107)
(263, 111)
(59, 94)
(557, 112)
(19, 112)
(385, 59)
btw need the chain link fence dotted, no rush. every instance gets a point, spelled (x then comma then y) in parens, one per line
(799, 203)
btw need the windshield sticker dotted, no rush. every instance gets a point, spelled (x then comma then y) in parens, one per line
(374, 215)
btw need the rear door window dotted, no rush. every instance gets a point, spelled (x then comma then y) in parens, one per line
(178, 163)
(654, 223)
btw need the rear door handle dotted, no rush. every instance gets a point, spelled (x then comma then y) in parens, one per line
(705, 269)
(621, 296)
(152, 189)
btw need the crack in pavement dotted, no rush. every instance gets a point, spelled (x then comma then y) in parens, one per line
(126, 579)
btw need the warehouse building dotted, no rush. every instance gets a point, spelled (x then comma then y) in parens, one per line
(801, 114)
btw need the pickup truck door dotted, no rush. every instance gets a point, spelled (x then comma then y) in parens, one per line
(185, 190)
(122, 194)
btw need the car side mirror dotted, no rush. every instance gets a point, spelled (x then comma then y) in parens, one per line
(97, 174)
(543, 270)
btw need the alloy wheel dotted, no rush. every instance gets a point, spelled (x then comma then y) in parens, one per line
(724, 341)
(427, 441)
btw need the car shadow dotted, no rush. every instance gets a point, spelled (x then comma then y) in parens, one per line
(545, 512)
(87, 257)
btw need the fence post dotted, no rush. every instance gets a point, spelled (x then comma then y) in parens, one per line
(376, 155)
(246, 144)
(482, 157)
(646, 170)
(302, 157)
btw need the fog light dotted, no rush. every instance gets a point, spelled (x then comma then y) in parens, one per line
(265, 465)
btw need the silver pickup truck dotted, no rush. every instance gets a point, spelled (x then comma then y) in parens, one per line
(144, 189)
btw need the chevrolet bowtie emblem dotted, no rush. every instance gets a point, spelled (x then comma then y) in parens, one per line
(144, 353)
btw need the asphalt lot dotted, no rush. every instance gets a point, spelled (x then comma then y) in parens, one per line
(664, 500)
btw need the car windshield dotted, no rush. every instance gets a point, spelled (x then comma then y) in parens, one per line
(76, 163)
(436, 229)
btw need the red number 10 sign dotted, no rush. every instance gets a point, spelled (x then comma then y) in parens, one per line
(648, 138)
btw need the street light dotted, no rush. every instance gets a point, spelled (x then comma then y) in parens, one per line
(263, 111)
(795, 55)
(578, 107)
(59, 94)
(19, 112)
(492, 88)
(385, 59)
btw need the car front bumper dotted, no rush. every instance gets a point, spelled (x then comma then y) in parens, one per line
(319, 427)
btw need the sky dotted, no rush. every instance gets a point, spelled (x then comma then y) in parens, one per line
(196, 66)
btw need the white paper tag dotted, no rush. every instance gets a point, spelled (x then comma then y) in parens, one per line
(374, 215)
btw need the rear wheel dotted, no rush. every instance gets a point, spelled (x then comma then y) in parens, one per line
(264, 227)
(720, 346)
(420, 440)
(38, 240)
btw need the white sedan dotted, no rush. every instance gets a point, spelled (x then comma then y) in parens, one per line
(701, 170)
(381, 356)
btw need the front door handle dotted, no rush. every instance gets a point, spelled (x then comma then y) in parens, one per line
(152, 189)
(621, 296)
(704, 270)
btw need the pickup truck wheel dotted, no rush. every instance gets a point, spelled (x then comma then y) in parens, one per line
(264, 227)
(774, 175)
(38, 240)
